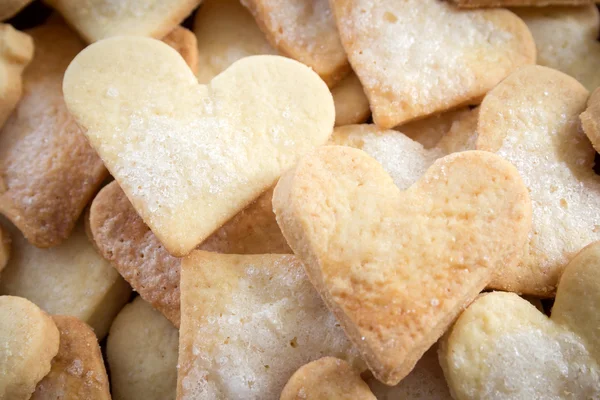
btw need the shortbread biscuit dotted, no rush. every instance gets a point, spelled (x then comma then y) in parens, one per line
(431, 130)
(590, 119)
(48, 171)
(4, 248)
(10, 8)
(532, 120)
(518, 3)
(99, 19)
(28, 341)
(351, 103)
(226, 32)
(326, 378)
(70, 279)
(305, 31)
(122, 238)
(16, 52)
(396, 267)
(247, 323)
(421, 57)
(154, 127)
(425, 382)
(78, 369)
(566, 40)
(502, 347)
(142, 354)
(184, 42)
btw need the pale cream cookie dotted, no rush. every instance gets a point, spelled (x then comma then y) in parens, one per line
(153, 125)
(590, 119)
(142, 354)
(247, 323)
(518, 3)
(396, 267)
(29, 341)
(421, 57)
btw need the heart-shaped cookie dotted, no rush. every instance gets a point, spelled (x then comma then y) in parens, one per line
(532, 120)
(247, 323)
(566, 40)
(123, 238)
(420, 57)
(590, 119)
(502, 347)
(190, 156)
(397, 267)
(29, 340)
(141, 351)
(305, 31)
(99, 19)
(78, 369)
(16, 51)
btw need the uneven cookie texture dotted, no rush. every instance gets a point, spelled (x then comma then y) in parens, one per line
(397, 267)
(122, 237)
(532, 120)
(326, 378)
(566, 40)
(99, 19)
(29, 340)
(304, 31)
(153, 126)
(247, 323)
(142, 354)
(502, 347)
(48, 171)
(590, 119)
(420, 57)
(70, 279)
(518, 3)
(78, 368)
(16, 52)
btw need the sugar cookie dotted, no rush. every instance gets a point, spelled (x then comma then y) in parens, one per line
(305, 31)
(425, 382)
(48, 171)
(370, 249)
(10, 8)
(122, 238)
(532, 120)
(351, 103)
(142, 354)
(502, 347)
(420, 57)
(566, 40)
(326, 378)
(590, 119)
(70, 279)
(184, 42)
(99, 19)
(78, 369)
(28, 341)
(247, 323)
(16, 52)
(184, 181)
(518, 3)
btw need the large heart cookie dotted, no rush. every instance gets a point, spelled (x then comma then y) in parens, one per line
(16, 51)
(78, 369)
(590, 119)
(397, 267)
(566, 40)
(122, 238)
(28, 341)
(190, 156)
(99, 19)
(502, 347)
(420, 57)
(532, 120)
(247, 323)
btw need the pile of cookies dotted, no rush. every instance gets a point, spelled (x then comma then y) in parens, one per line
(310, 199)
